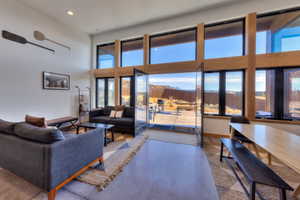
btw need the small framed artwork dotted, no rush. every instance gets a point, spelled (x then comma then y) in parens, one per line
(54, 81)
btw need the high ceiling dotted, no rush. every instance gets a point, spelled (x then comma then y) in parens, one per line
(95, 16)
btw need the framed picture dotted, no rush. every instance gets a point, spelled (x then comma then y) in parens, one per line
(54, 81)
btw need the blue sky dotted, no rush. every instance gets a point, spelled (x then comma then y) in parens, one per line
(214, 48)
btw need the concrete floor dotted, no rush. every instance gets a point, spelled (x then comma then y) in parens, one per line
(159, 171)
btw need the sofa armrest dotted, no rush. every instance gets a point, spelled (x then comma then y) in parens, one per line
(66, 157)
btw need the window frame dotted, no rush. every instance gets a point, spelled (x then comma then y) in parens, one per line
(174, 32)
(121, 49)
(279, 94)
(97, 54)
(222, 92)
(241, 19)
(131, 90)
(105, 90)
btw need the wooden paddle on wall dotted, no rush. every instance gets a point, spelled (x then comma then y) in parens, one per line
(19, 39)
(41, 37)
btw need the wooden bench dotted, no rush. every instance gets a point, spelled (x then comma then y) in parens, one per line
(61, 121)
(255, 171)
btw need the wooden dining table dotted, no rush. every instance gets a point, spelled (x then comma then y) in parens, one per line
(283, 145)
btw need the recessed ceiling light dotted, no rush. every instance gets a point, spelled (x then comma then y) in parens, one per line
(70, 12)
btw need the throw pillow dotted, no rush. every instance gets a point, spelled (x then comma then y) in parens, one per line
(119, 114)
(112, 114)
(36, 121)
(37, 134)
(119, 108)
(6, 127)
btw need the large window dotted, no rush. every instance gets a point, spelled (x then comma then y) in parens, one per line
(278, 32)
(224, 39)
(224, 93)
(234, 93)
(292, 93)
(100, 99)
(264, 94)
(211, 93)
(126, 91)
(278, 93)
(105, 92)
(132, 52)
(106, 56)
(173, 47)
(111, 92)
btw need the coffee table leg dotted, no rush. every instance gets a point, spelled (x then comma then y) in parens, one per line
(77, 130)
(105, 137)
(112, 135)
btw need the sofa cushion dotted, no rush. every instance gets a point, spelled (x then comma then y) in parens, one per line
(7, 127)
(125, 121)
(106, 110)
(100, 119)
(37, 134)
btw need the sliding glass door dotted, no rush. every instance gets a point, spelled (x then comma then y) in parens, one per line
(141, 101)
(172, 100)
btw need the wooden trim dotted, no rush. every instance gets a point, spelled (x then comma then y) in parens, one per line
(217, 117)
(217, 135)
(146, 49)
(232, 63)
(200, 42)
(251, 64)
(117, 90)
(117, 54)
(189, 66)
(284, 59)
(277, 121)
(103, 73)
(52, 193)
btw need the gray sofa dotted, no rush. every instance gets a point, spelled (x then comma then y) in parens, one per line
(47, 158)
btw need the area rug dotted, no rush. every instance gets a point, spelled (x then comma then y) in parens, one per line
(113, 164)
(170, 136)
(227, 185)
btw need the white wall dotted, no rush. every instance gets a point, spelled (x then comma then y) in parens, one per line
(21, 66)
(218, 126)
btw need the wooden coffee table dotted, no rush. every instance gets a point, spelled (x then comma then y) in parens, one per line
(106, 127)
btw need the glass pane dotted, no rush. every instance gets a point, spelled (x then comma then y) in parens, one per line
(100, 93)
(234, 93)
(174, 47)
(106, 56)
(172, 101)
(225, 40)
(141, 95)
(132, 53)
(264, 93)
(211, 93)
(278, 33)
(111, 92)
(292, 93)
(125, 91)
